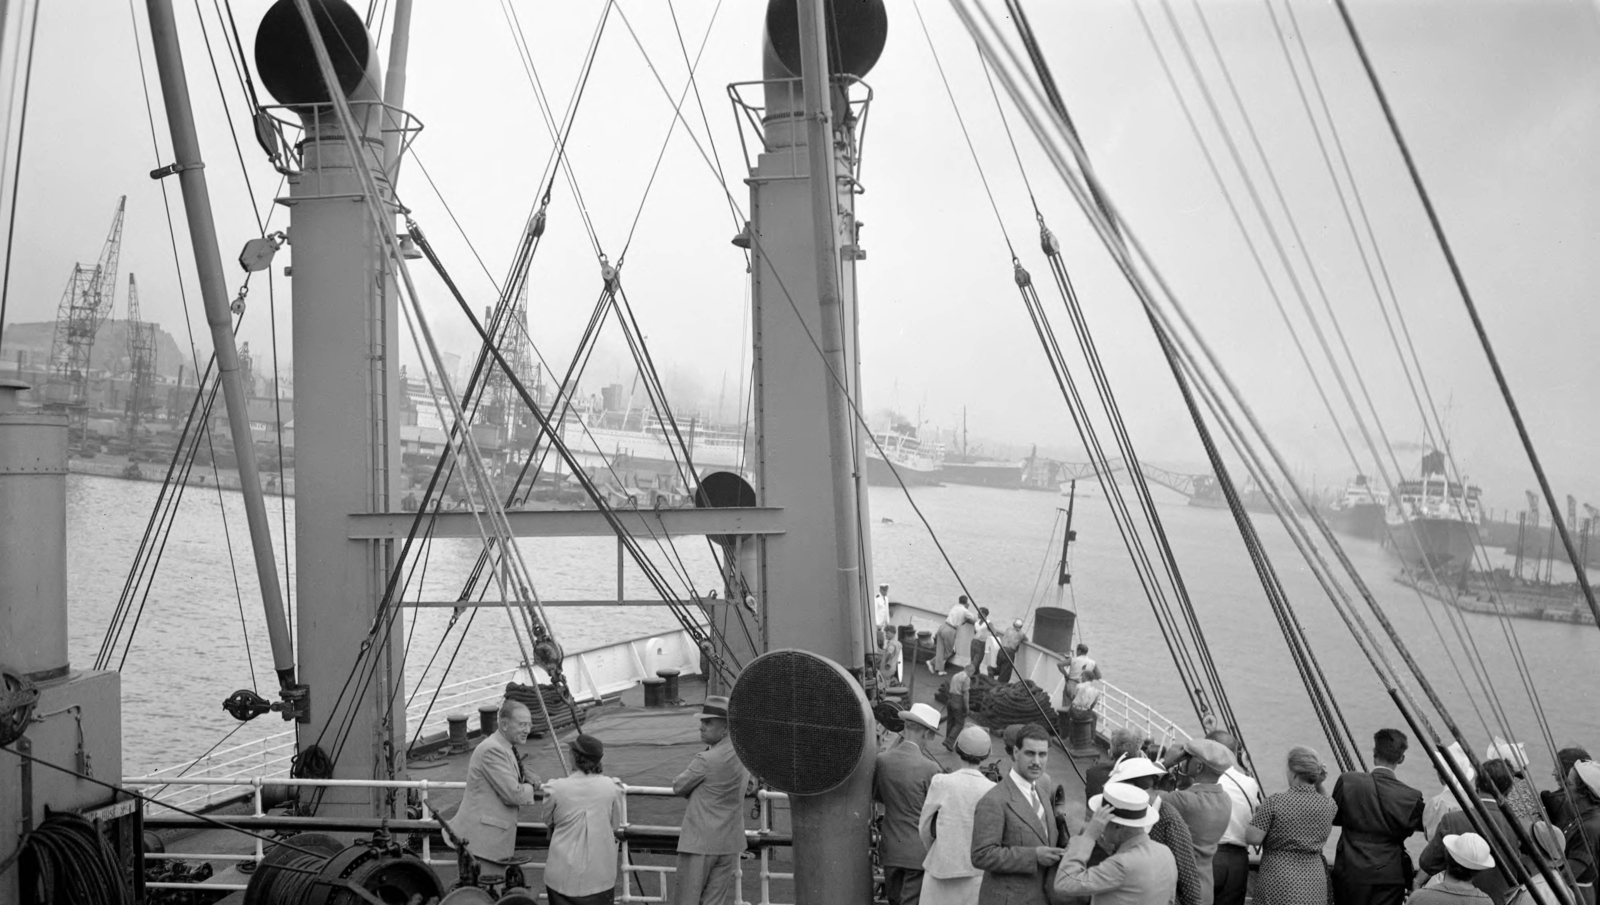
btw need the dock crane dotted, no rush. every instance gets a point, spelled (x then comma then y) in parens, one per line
(141, 361)
(85, 305)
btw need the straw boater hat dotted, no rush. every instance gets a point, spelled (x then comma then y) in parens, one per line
(973, 741)
(715, 708)
(922, 714)
(1131, 767)
(1469, 850)
(1130, 805)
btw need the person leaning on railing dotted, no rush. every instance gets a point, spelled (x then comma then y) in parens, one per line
(497, 785)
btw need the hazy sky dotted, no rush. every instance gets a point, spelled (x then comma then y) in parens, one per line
(1498, 99)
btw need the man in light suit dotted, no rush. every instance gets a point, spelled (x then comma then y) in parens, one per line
(946, 825)
(712, 835)
(497, 785)
(1139, 871)
(900, 783)
(1377, 813)
(1013, 833)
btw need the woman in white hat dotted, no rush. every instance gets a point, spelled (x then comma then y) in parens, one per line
(946, 826)
(1466, 856)
(1292, 827)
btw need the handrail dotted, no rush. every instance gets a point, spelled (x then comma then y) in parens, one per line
(762, 837)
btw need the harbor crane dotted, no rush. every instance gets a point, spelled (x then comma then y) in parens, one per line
(141, 361)
(85, 304)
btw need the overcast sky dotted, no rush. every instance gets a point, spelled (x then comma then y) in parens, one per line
(1498, 99)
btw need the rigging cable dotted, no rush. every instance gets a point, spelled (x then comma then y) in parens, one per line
(1472, 310)
(1123, 247)
(1508, 630)
(16, 172)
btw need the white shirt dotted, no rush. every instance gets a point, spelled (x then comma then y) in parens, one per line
(880, 610)
(958, 615)
(1080, 665)
(1029, 792)
(1087, 695)
(1438, 806)
(1245, 793)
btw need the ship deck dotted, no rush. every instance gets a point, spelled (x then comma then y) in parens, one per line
(645, 748)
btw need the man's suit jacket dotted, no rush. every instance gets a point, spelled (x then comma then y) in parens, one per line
(946, 822)
(1378, 813)
(715, 784)
(900, 782)
(487, 819)
(1005, 832)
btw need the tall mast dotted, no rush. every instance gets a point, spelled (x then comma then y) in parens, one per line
(214, 292)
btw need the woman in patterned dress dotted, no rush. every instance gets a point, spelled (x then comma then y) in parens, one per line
(1292, 827)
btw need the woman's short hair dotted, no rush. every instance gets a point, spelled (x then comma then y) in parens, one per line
(1455, 870)
(585, 763)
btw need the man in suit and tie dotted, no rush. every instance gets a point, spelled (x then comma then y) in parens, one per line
(1013, 833)
(900, 784)
(497, 785)
(712, 835)
(1377, 813)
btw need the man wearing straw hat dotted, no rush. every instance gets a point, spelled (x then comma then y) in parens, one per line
(713, 824)
(584, 811)
(1138, 872)
(900, 784)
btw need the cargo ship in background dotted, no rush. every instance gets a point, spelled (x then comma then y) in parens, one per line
(1433, 525)
(1359, 512)
(970, 466)
(919, 465)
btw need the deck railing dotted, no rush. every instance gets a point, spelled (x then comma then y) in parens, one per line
(1117, 708)
(634, 889)
(591, 674)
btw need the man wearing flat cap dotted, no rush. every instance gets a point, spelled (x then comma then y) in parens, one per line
(584, 812)
(900, 783)
(1205, 806)
(713, 824)
(1138, 871)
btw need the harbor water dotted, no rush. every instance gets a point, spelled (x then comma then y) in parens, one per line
(189, 651)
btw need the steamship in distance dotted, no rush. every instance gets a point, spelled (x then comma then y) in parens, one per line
(919, 464)
(1359, 511)
(1434, 522)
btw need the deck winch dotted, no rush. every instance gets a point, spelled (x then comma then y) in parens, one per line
(316, 869)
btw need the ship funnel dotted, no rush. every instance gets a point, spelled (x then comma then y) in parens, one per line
(857, 30)
(288, 65)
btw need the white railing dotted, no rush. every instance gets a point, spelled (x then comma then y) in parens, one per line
(591, 674)
(1117, 708)
(632, 873)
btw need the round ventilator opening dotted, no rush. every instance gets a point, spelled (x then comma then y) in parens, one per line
(798, 721)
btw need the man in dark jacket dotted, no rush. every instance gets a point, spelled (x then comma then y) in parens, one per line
(900, 784)
(1014, 841)
(1377, 813)
(1583, 827)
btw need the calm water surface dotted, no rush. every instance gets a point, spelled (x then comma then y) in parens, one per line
(190, 652)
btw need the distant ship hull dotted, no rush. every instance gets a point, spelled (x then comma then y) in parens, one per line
(914, 475)
(1363, 520)
(1007, 475)
(1442, 544)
